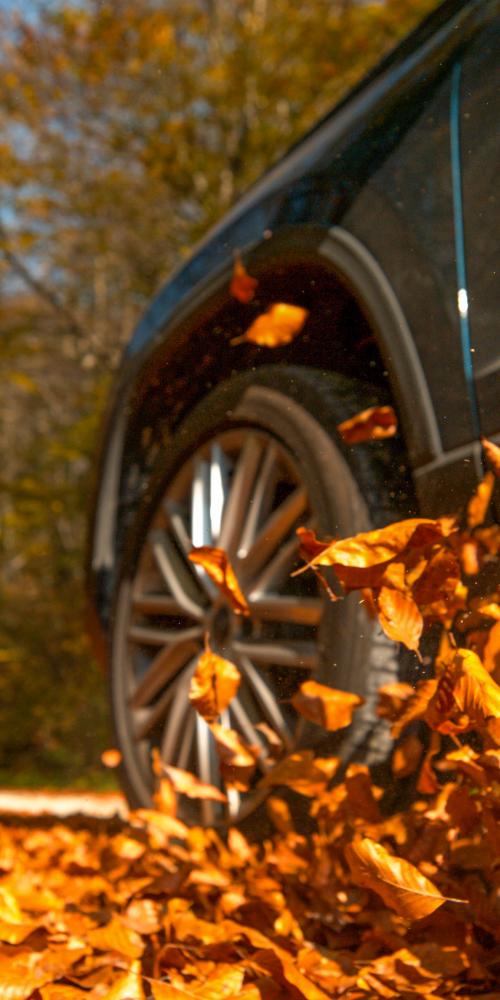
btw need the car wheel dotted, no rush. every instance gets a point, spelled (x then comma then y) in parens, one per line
(259, 457)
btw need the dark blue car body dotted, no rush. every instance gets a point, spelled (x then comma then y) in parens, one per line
(381, 221)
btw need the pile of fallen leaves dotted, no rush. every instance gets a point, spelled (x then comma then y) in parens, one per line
(368, 903)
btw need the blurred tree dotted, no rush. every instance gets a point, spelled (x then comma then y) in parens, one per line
(128, 127)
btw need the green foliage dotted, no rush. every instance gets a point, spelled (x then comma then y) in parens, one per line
(128, 127)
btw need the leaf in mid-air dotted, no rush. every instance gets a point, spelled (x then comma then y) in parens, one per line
(213, 685)
(242, 285)
(276, 327)
(216, 564)
(399, 617)
(399, 883)
(370, 425)
(325, 706)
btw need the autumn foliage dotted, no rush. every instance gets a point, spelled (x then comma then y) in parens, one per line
(365, 903)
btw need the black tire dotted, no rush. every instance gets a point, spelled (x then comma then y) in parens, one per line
(348, 490)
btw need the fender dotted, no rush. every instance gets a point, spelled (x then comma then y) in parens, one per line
(337, 252)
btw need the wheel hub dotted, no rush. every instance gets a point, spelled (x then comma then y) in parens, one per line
(221, 627)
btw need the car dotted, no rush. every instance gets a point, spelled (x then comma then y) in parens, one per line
(381, 223)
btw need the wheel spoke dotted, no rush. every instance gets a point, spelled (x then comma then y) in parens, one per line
(298, 610)
(176, 573)
(155, 604)
(149, 636)
(238, 501)
(179, 532)
(186, 749)
(260, 500)
(274, 532)
(161, 670)
(298, 655)
(219, 469)
(178, 715)
(245, 724)
(205, 754)
(266, 699)
(201, 529)
(277, 569)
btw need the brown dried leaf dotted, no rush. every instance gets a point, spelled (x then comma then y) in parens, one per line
(153, 820)
(400, 884)
(466, 697)
(213, 685)
(399, 617)
(276, 327)
(298, 771)
(325, 706)
(242, 285)
(478, 504)
(188, 784)
(360, 561)
(370, 425)
(279, 813)
(58, 991)
(217, 566)
(237, 758)
(111, 757)
(115, 936)
(391, 699)
(491, 653)
(128, 986)
(427, 782)
(407, 756)
(416, 706)
(492, 452)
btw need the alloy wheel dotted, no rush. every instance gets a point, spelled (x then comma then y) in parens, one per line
(241, 491)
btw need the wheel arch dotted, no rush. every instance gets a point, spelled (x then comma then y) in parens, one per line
(356, 326)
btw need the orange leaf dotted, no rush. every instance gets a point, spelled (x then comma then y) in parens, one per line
(188, 784)
(369, 425)
(391, 699)
(111, 758)
(19, 980)
(427, 782)
(480, 500)
(310, 546)
(56, 991)
(465, 687)
(300, 772)
(213, 685)
(236, 757)
(360, 560)
(361, 795)
(407, 756)
(416, 706)
(399, 617)
(242, 285)
(467, 761)
(439, 579)
(116, 937)
(276, 327)
(165, 798)
(400, 884)
(216, 564)
(492, 452)
(128, 986)
(165, 991)
(157, 822)
(491, 652)
(279, 813)
(325, 706)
